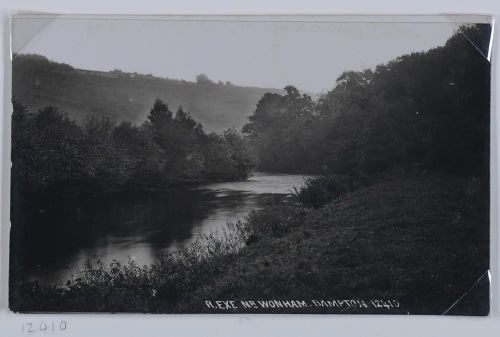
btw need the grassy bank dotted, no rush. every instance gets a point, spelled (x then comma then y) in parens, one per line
(420, 238)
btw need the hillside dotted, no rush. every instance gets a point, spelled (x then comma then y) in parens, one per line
(37, 82)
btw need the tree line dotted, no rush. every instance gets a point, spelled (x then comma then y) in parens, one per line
(52, 152)
(426, 109)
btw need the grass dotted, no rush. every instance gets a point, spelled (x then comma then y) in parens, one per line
(421, 239)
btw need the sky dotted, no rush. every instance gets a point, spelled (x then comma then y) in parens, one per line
(273, 54)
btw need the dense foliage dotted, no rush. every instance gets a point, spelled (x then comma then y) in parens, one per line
(429, 109)
(318, 191)
(52, 152)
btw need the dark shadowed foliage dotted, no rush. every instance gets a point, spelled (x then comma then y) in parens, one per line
(319, 191)
(429, 109)
(51, 152)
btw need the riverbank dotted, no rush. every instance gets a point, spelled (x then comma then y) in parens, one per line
(420, 239)
(143, 225)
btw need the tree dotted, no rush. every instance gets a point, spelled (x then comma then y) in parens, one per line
(429, 109)
(54, 155)
(277, 129)
(159, 116)
(203, 79)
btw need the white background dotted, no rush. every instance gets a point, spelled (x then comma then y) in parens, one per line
(245, 325)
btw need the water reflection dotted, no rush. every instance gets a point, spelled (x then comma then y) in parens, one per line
(142, 226)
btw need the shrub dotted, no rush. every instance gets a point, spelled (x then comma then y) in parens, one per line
(320, 190)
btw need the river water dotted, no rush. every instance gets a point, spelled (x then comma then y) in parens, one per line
(144, 226)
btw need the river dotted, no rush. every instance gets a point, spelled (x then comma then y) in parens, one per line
(143, 226)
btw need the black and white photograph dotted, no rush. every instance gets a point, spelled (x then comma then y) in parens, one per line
(250, 164)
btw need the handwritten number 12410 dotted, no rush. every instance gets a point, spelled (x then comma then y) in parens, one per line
(44, 327)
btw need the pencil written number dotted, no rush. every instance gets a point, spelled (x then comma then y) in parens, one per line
(45, 327)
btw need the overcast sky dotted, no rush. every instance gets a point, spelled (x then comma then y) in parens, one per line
(265, 54)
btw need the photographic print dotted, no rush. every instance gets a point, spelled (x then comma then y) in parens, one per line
(250, 164)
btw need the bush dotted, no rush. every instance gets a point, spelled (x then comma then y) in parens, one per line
(320, 190)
